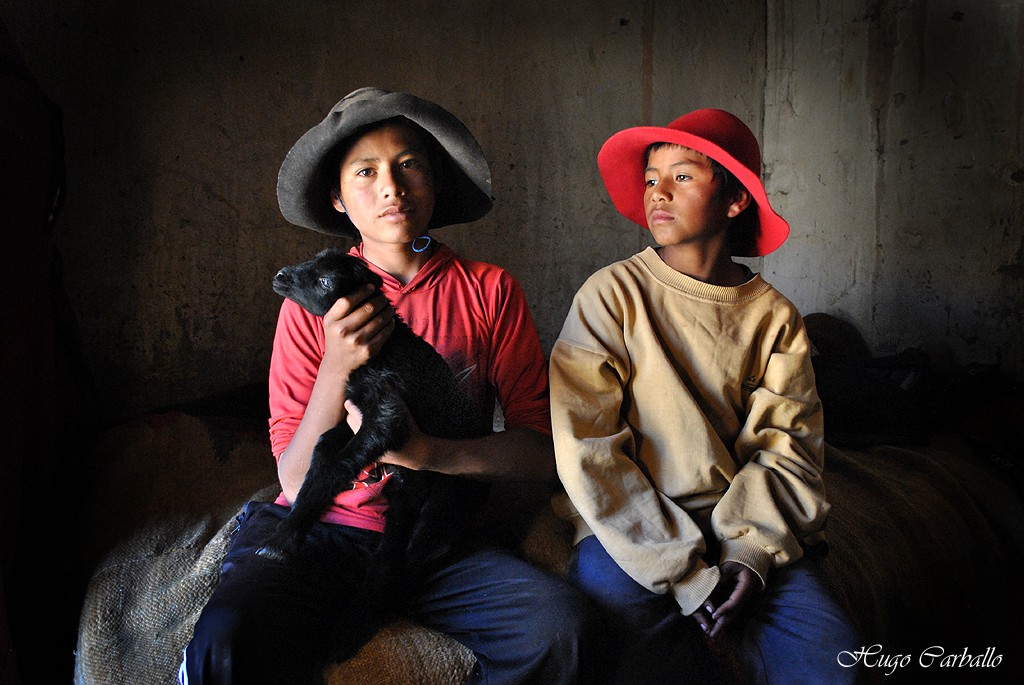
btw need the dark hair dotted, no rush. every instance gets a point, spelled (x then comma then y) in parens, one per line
(743, 229)
(730, 184)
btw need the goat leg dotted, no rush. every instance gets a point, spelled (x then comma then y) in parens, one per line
(336, 461)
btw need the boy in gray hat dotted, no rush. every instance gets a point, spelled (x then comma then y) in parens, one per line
(385, 168)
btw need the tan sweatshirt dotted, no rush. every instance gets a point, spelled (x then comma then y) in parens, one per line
(682, 409)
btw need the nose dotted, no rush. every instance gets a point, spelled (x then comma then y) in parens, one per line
(657, 194)
(282, 276)
(391, 182)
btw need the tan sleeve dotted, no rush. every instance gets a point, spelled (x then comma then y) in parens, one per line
(651, 538)
(777, 497)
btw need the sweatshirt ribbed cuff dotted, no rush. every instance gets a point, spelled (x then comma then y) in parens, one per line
(696, 588)
(747, 552)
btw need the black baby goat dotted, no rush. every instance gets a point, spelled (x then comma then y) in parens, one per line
(427, 512)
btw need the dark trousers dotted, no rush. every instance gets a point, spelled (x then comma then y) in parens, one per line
(272, 622)
(790, 634)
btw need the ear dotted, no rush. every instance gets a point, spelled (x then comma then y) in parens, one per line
(336, 201)
(740, 202)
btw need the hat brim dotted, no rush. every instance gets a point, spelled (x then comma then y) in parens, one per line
(622, 163)
(310, 169)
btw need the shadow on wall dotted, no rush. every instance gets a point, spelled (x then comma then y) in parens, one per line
(43, 464)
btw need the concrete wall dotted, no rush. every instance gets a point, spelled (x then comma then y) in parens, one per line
(891, 132)
(895, 138)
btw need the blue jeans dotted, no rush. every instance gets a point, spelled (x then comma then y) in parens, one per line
(271, 622)
(791, 633)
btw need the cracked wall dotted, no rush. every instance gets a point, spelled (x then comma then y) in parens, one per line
(895, 130)
(891, 132)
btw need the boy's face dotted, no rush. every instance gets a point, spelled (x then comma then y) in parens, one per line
(683, 199)
(387, 185)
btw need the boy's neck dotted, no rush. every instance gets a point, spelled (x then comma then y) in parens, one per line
(398, 260)
(715, 267)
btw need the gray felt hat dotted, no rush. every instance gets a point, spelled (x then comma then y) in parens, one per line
(310, 170)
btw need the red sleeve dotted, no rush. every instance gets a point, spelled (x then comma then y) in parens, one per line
(519, 371)
(298, 349)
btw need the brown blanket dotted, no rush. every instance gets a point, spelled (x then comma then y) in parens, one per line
(926, 548)
(926, 544)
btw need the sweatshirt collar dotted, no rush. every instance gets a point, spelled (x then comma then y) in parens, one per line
(650, 260)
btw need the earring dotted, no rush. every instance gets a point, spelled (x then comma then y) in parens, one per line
(337, 198)
(425, 245)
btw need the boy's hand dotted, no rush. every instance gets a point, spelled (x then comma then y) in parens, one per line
(355, 328)
(411, 454)
(736, 587)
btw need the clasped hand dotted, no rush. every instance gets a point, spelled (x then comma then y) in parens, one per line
(737, 585)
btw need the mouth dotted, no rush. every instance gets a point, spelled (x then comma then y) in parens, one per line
(397, 212)
(659, 216)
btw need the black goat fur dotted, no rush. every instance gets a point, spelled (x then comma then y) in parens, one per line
(428, 512)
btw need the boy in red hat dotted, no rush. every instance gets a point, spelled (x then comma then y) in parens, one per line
(688, 431)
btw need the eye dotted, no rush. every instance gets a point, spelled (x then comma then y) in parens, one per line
(364, 172)
(682, 177)
(414, 164)
(326, 282)
(650, 182)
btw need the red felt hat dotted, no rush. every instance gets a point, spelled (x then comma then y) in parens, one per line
(713, 132)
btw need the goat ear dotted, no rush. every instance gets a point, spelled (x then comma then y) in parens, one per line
(363, 271)
(367, 275)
